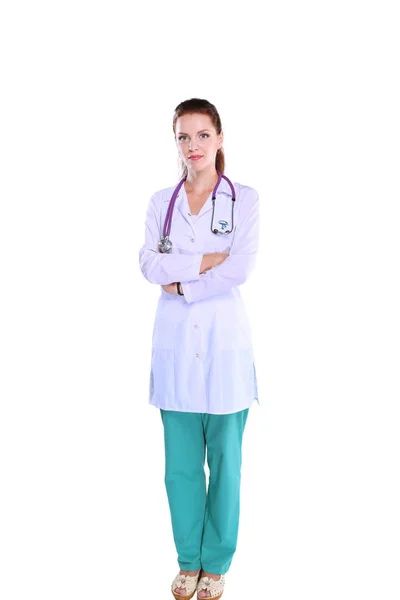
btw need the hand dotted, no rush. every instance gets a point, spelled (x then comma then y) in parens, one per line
(212, 260)
(170, 288)
(220, 257)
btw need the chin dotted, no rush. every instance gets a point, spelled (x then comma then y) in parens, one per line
(195, 165)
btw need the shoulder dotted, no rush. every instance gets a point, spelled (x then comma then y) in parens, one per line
(247, 197)
(245, 190)
(162, 195)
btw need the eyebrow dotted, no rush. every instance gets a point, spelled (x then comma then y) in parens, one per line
(182, 132)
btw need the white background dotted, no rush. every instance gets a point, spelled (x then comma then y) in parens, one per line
(308, 94)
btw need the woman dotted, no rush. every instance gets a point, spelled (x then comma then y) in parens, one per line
(203, 376)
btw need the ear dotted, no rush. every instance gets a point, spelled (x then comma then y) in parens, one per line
(221, 139)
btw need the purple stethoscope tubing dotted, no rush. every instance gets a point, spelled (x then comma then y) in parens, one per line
(168, 217)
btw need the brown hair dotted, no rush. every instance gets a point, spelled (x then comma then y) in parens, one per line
(198, 105)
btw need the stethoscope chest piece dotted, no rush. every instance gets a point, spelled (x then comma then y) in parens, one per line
(165, 244)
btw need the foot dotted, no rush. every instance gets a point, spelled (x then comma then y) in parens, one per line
(182, 591)
(206, 593)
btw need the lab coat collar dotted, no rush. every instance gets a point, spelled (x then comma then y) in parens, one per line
(182, 203)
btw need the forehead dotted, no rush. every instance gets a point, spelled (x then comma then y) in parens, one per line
(193, 122)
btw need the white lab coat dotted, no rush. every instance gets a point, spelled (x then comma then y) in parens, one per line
(202, 358)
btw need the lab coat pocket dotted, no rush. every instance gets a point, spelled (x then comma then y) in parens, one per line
(222, 242)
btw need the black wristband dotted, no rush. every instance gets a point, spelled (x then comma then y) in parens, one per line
(178, 283)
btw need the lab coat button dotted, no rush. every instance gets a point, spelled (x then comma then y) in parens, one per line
(197, 355)
(192, 240)
(196, 326)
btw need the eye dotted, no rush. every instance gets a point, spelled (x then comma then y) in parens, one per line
(206, 134)
(181, 136)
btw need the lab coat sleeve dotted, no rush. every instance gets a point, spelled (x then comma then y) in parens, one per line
(163, 268)
(237, 267)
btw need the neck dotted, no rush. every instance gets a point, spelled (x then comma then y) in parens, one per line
(200, 181)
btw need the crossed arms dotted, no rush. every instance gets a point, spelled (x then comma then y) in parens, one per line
(203, 275)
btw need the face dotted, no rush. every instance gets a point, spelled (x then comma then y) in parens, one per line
(195, 135)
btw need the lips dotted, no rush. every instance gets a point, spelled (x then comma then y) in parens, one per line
(195, 157)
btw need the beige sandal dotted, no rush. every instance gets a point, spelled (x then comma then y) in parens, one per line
(188, 582)
(215, 588)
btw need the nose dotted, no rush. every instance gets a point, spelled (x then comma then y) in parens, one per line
(192, 145)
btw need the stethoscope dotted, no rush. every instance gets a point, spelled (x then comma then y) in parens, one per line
(165, 244)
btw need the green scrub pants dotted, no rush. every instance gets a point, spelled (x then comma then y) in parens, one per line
(205, 523)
